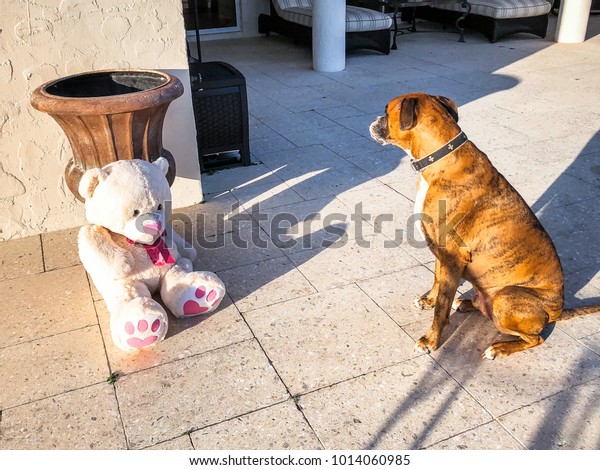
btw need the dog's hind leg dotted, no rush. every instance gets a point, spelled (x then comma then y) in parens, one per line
(520, 312)
(447, 282)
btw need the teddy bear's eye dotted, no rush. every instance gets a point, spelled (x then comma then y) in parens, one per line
(136, 213)
(160, 207)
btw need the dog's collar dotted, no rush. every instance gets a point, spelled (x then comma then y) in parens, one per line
(420, 165)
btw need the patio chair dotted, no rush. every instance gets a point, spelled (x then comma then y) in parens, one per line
(365, 28)
(495, 18)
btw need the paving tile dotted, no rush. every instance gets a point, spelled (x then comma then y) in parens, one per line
(406, 406)
(573, 231)
(314, 224)
(586, 166)
(390, 165)
(576, 296)
(337, 112)
(280, 427)
(592, 341)
(224, 180)
(361, 146)
(506, 384)
(301, 121)
(20, 257)
(303, 164)
(324, 136)
(234, 249)
(219, 213)
(568, 420)
(60, 249)
(490, 436)
(391, 214)
(50, 366)
(179, 443)
(265, 283)
(266, 196)
(551, 187)
(271, 143)
(302, 99)
(186, 337)
(350, 261)
(83, 419)
(45, 304)
(396, 292)
(324, 338)
(166, 401)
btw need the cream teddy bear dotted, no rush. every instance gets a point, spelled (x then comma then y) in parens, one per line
(131, 251)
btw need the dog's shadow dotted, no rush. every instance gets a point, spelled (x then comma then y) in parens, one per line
(575, 226)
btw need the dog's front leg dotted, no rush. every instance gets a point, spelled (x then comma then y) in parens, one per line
(427, 300)
(450, 274)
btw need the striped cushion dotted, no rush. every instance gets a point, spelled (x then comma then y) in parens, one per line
(357, 19)
(502, 9)
(363, 19)
(283, 5)
(298, 15)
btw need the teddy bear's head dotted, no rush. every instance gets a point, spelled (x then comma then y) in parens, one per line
(129, 197)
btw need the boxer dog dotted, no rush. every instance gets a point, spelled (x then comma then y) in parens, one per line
(478, 227)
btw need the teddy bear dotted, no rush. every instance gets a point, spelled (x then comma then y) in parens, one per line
(131, 251)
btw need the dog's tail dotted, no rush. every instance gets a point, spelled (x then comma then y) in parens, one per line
(570, 313)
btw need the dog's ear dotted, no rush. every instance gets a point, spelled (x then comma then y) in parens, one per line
(408, 113)
(449, 105)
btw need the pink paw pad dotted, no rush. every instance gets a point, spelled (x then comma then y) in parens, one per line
(138, 342)
(192, 307)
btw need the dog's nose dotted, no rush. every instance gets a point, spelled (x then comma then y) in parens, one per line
(152, 227)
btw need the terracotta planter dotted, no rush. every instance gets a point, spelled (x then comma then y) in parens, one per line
(110, 115)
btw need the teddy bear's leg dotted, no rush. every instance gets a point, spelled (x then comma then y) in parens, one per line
(188, 294)
(137, 320)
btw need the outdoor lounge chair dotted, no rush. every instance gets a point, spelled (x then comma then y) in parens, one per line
(495, 18)
(365, 28)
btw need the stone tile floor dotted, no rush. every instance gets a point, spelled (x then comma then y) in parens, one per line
(314, 346)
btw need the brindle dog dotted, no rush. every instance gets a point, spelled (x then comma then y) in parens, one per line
(493, 240)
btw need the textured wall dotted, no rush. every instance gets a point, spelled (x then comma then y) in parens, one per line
(41, 40)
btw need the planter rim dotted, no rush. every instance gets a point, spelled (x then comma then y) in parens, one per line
(53, 104)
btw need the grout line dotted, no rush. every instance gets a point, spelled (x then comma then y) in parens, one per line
(42, 252)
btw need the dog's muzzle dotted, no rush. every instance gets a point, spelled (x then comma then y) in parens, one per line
(379, 130)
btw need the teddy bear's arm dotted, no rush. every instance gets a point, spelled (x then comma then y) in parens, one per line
(97, 248)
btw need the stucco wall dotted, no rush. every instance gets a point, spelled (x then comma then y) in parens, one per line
(41, 40)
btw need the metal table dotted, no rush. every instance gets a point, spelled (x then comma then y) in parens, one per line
(397, 4)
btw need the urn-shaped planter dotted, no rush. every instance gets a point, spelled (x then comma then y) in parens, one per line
(110, 115)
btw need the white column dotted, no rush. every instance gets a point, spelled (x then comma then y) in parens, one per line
(572, 20)
(329, 35)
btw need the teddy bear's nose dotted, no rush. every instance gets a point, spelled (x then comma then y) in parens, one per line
(152, 227)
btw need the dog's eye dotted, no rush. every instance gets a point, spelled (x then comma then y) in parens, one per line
(136, 213)
(160, 207)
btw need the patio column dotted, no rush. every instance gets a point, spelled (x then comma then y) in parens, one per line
(329, 35)
(572, 20)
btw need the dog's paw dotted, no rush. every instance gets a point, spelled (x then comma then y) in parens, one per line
(425, 345)
(463, 305)
(496, 350)
(424, 302)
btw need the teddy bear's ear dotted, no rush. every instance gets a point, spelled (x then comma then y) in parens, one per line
(89, 181)
(162, 163)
